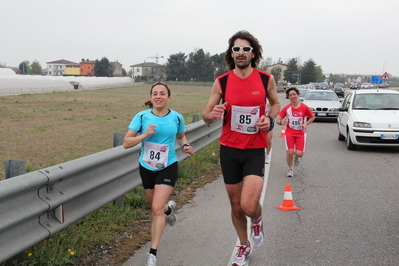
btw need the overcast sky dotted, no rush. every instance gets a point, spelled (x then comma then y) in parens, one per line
(342, 36)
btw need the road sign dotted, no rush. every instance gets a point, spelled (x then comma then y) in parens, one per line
(385, 76)
(376, 79)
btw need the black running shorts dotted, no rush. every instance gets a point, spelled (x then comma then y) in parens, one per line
(167, 176)
(238, 163)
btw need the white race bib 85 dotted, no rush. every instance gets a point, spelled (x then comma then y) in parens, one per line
(244, 119)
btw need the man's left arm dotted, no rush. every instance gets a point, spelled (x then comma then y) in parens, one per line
(265, 122)
(272, 96)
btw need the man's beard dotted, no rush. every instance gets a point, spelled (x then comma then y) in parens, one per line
(242, 64)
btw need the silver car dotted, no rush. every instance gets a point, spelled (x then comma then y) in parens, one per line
(302, 93)
(369, 118)
(366, 86)
(323, 103)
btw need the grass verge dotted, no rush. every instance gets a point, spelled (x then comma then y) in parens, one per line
(52, 128)
(110, 235)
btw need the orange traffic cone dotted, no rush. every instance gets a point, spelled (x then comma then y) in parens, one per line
(288, 202)
(282, 134)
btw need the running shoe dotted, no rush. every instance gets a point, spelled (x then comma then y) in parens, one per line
(171, 218)
(242, 256)
(257, 233)
(267, 158)
(296, 160)
(290, 173)
(151, 260)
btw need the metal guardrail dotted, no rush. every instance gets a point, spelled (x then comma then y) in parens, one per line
(36, 205)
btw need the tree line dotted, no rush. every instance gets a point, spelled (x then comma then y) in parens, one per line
(27, 68)
(202, 66)
(303, 74)
(197, 66)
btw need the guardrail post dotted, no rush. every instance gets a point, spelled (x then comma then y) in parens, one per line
(195, 118)
(15, 168)
(118, 141)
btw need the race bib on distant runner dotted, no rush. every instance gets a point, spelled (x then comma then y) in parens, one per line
(296, 123)
(156, 155)
(244, 119)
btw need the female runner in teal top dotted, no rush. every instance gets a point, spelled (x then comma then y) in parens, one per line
(157, 129)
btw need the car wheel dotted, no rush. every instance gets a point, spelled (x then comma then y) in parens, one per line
(340, 136)
(349, 143)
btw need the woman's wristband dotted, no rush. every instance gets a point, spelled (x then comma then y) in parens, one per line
(185, 145)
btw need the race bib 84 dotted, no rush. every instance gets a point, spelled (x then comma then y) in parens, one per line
(156, 155)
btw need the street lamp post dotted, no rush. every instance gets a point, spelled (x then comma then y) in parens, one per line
(383, 67)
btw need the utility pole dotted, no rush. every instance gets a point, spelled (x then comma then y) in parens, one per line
(156, 57)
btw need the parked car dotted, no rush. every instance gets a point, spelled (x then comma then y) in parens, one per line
(383, 85)
(339, 85)
(302, 93)
(339, 91)
(355, 86)
(369, 118)
(314, 85)
(324, 104)
(311, 86)
(323, 86)
(366, 86)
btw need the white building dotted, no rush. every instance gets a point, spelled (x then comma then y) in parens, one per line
(149, 70)
(57, 68)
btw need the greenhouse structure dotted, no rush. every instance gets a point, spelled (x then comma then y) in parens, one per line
(12, 84)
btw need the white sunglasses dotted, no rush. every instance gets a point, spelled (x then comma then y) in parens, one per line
(245, 49)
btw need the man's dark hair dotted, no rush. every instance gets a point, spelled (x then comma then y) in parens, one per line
(257, 49)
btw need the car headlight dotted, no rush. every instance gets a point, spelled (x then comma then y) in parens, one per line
(334, 109)
(361, 124)
(312, 109)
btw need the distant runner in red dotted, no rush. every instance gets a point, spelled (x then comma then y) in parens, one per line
(296, 116)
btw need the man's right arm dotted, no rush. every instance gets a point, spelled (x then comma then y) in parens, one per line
(216, 95)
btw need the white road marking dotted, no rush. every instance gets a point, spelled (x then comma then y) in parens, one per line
(261, 200)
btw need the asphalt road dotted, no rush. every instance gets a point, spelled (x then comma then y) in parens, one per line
(349, 211)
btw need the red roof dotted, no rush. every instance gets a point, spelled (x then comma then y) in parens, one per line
(61, 62)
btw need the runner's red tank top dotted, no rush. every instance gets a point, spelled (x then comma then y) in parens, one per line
(248, 92)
